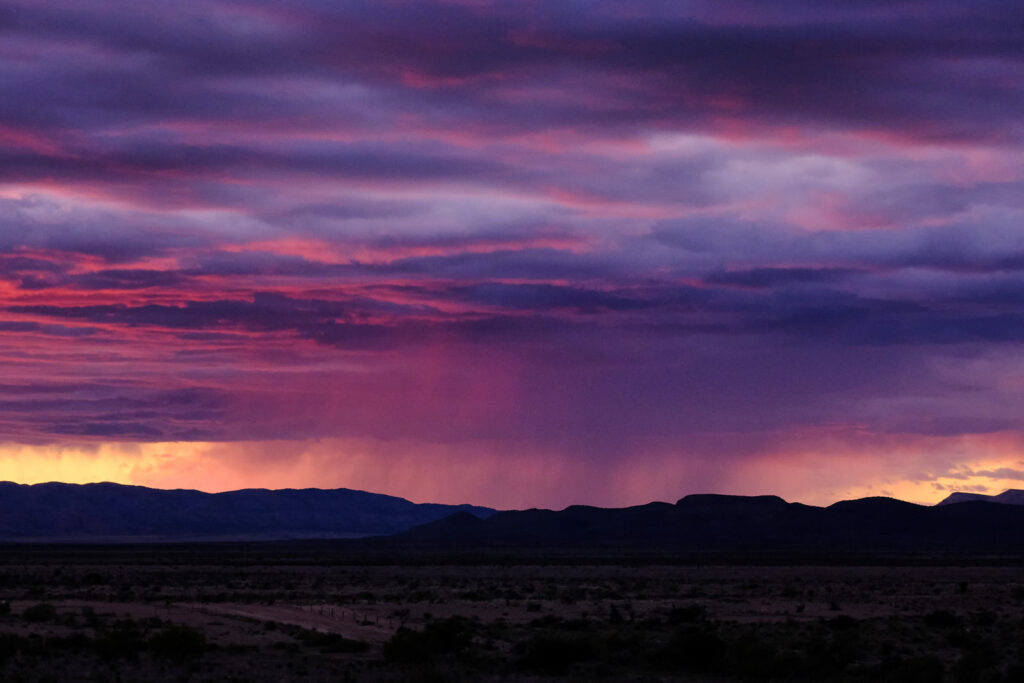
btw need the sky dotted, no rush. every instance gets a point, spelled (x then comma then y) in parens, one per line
(514, 253)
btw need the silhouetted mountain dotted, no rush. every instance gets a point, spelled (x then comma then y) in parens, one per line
(1008, 497)
(713, 523)
(114, 512)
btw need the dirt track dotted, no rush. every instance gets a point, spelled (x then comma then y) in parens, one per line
(351, 623)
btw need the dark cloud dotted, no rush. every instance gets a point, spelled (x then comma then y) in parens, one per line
(580, 228)
(777, 277)
(167, 163)
(901, 65)
(12, 264)
(541, 297)
(266, 312)
(958, 425)
(69, 231)
(531, 263)
(112, 429)
(330, 323)
(46, 329)
(1002, 473)
(128, 279)
(222, 263)
(955, 247)
(346, 210)
(764, 304)
(118, 411)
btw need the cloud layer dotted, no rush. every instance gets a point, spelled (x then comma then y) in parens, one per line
(604, 234)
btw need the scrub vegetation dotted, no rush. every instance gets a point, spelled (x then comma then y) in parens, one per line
(281, 612)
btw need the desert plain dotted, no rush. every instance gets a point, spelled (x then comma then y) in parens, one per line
(326, 612)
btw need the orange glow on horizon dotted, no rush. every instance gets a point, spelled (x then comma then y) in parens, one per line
(475, 473)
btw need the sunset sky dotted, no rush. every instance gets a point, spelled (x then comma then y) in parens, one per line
(524, 253)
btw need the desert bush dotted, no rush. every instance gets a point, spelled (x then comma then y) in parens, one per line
(941, 619)
(752, 658)
(179, 643)
(75, 641)
(919, 670)
(331, 642)
(39, 612)
(844, 622)
(985, 618)
(976, 664)
(438, 638)
(408, 646)
(1015, 673)
(555, 654)
(696, 648)
(123, 640)
(9, 645)
(91, 619)
(553, 621)
(92, 579)
(687, 614)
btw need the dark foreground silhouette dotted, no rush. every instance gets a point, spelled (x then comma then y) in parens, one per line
(1009, 497)
(737, 524)
(713, 588)
(325, 611)
(113, 512)
(759, 526)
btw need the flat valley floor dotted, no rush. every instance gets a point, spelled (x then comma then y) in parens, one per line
(275, 612)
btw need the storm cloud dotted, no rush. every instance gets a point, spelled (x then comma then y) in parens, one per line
(607, 234)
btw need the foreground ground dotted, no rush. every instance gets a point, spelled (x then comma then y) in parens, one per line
(249, 614)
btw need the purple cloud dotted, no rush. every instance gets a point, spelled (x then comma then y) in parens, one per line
(636, 227)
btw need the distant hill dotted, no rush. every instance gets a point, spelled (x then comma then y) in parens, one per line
(737, 524)
(113, 512)
(714, 524)
(1007, 497)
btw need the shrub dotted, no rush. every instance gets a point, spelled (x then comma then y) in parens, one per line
(977, 663)
(920, 670)
(687, 615)
(39, 612)
(122, 641)
(441, 637)
(752, 658)
(555, 654)
(941, 619)
(178, 643)
(407, 646)
(331, 642)
(615, 615)
(9, 645)
(843, 622)
(1015, 673)
(696, 648)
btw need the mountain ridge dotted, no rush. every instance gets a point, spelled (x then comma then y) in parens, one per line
(108, 511)
(1007, 497)
(707, 523)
